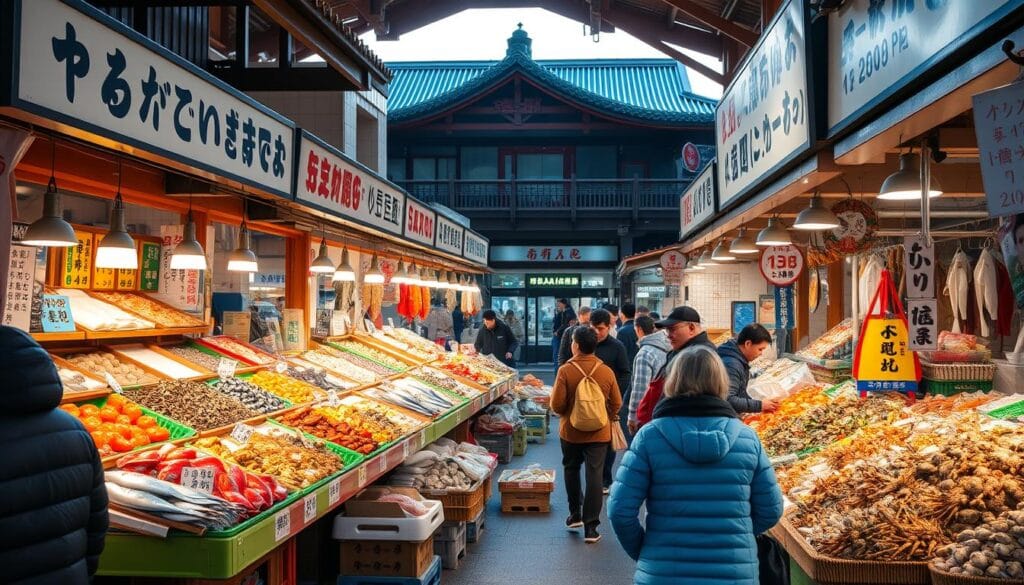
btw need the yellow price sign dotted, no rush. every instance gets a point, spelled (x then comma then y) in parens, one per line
(77, 271)
(884, 360)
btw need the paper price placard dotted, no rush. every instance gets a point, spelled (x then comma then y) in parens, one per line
(198, 478)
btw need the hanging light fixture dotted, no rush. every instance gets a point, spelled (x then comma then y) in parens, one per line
(722, 253)
(400, 276)
(50, 230)
(117, 248)
(816, 217)
(774, 234)
(453, 281)
(189, 255)
(473, 286)
(243, 259)
(344, 272)
(322, 264)
(374, 275)
(905, 184)
(692, 264)
(442, 281)
(706, 259)
(743, 244)
(431, 279)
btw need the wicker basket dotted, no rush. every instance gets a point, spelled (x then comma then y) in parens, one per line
(942, 578)
(958, 372)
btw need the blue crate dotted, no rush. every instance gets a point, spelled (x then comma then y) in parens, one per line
(536, 421)
(432, 576)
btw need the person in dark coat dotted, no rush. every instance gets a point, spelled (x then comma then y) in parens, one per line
(497, 339)
(565, 351)
(458, 324)
(627, 331)
(563, 319)
(53, 513)
(737, 354)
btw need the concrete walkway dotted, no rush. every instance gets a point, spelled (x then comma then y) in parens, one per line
(536, 549)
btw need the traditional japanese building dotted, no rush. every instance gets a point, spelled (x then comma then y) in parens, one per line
(565, 165)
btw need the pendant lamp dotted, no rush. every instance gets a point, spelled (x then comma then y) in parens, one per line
(816, 217)
(722, 253)
(243, 259)
(453, 281)
(774, 234)
(905, 184)
(344, 272)
(706, 260)
(50, 230)
(442, 280)
(431, 279)
(117, 248)
(374, 275)
(400, 276)
(189, 255)
(473, 286)
(743, 244)
(692, 265)
(322, 264)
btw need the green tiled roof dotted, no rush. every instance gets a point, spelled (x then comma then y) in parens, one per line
(651, 90)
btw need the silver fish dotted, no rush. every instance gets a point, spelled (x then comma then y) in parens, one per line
(141, 500)
(160, 488)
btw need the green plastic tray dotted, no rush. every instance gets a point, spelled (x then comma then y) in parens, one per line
(366, 357)
(349, 458)
(954, 387)
(1009, 411)
(234, 530)
(177, 430)
(212, 382)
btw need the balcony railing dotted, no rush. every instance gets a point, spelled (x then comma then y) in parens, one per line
(569, 194)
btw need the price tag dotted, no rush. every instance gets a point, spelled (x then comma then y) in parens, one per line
(391, 323)
(781, 265)
(460, 415)
(332, 398)
(198, 478)
(405, 450)
(226, 368)
(282, 525)
(362, 476)
(382, 464)
(423, 438)
(309, 508)
(281, 367)
(334, 492)
(241, 433)
(114, 384)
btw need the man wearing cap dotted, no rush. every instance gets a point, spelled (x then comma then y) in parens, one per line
(684, 330)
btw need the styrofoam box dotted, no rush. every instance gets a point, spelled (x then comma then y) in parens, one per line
(415, 529)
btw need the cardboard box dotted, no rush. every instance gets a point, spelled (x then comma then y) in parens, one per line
(383, 558)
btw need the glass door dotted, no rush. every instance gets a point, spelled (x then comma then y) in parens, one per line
(512, 310)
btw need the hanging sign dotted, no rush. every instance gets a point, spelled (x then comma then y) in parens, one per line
(179, 288)
(294, 330)
(102, 278)
(77, 272)
(858, 223)
(237, 324)
(999, 125)
(691, 157)
(877, 49)
(924, 329)
(553, 280)
(781, 265)
(763, 120)
(920, 266)
(57, 314)
(21, 272)
(127, 279)
(784, 307)
(672, 264)
(474, 248)
(323, 322)
(449, 236)
(149, 267)
(419, 222)
(330, 181)
(697, 204)
(545, 254)
(883, 359)
(79, 67)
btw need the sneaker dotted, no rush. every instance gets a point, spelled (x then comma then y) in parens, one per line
(590, 535)
(606, 490)
(573, 522)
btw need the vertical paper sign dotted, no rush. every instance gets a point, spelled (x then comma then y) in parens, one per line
(784, 307)
(57, 314)
(920, 263)
(236, 324)
(179, 288)
(924, 330)
(77, 271)
(149, 267)
(294, 329)
(999, 125)
(20, 281)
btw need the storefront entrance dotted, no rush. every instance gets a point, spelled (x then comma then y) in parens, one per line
(534, 314)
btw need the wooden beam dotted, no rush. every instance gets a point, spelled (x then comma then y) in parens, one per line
(657, 43)
(836, 294)
(803, 311)
(722, 25)
(768, 10)
(650, 30)
(285, 78)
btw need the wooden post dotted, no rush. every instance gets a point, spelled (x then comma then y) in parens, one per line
(836, 293)
(296, 269)
(803, 312)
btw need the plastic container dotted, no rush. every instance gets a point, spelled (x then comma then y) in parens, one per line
(176, 429)
(454, 550)
(460, 506)
(954, 387)
(368, 519)
(432, 576)
(501, 445)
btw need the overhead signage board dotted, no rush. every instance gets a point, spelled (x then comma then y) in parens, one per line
(79, 67)
(697, 205)
(419, 222)
(764, 118)
(546, 254)
(475, 247)
(449, 235)
(877, 49)
(331, 182)
(553, 280)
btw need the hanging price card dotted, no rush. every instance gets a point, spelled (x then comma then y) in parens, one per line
(20, 286)
(241, 433)
(56, 315)
(198, 478)
(362, 476)
(226, 368)
(782, 265)
(334, 492)
(77, 269)
(309, 508)
(282, 525)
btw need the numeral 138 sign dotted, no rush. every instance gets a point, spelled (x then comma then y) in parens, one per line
(782, 265)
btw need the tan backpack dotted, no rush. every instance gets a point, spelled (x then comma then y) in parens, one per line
(589, 410)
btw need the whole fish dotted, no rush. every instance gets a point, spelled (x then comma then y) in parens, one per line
(957, 282)
(144, 501)
(986, 289)
(160, 488)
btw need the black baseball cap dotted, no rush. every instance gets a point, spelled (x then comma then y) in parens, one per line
(680, 315)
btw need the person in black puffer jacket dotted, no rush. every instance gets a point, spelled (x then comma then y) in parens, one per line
(53, 513)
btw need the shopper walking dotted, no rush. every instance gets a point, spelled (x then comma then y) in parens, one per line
(706, 481)
(683, 327)
(654, 348)
(614, 311)
(565, 350)
(495, 338)
(626, 332)
(581, 380)
(53, 513)
(516, 326)
(737, 354)
(563, 319)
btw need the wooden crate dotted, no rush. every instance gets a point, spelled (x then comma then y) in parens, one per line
(525, 502)
(386, 558)
(460, 506)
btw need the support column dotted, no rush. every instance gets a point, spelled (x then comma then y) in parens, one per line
(803, 312)
(296, 268)
(836, 294)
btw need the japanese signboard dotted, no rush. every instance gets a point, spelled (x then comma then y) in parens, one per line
(77, 270)
(924, 327)
(179, 288)
(474, 247)
(548, 254)
(127, 279)
(149, 267)
(920, 262)
(237, 324)
(294, 329)
(323, 322)
(553, 280)
(57, 314)
(672, 264)
(877, 48)
(884, 360)
(78, 67)
(697, 204)
(691, 157)
(419, 222)
(762, 120)
(449, 235)
(781, 265)
(999, 125)
(783, 307)
(330, 181)
(21, 272)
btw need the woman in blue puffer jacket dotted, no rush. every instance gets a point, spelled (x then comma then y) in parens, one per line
(705, 478)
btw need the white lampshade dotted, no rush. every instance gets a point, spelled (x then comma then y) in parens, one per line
(117, 249)
(374, 275)
(343, 272)
(774, 235)
(743, 244)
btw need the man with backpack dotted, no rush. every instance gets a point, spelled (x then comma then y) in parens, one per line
(586, 397)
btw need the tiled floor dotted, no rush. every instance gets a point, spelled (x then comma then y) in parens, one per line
(537, 549)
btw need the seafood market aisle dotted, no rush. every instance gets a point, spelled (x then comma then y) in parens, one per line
(536, 548)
